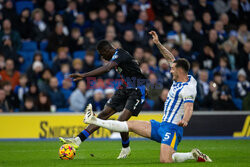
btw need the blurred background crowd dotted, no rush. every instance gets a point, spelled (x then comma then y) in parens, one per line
(43, 41)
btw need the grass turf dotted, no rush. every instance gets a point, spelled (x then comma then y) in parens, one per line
(104, 153)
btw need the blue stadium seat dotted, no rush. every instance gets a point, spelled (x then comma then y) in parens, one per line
(46, 58)
(63, 110)
(29, 46)
(151, 103)
(22, 5)
(238, 103)
(28, 58)
(233, 76)
(43, 45)
(231, 84)
(79, 54)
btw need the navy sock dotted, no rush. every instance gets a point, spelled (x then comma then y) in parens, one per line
(84, 135)
(125, 144)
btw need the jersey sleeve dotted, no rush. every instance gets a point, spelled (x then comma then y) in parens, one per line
(189, 94)
(117, 58)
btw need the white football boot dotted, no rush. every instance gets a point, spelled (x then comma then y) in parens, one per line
(89, 115)
(72, 141)
(199, 156)
(125, 152)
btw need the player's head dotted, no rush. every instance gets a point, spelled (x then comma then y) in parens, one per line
(105, 49)
(179, 68)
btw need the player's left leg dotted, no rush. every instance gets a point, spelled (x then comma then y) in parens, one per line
(125, 151)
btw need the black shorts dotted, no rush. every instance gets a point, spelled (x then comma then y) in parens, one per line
(130, 99)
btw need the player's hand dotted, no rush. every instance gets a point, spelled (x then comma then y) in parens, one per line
(182, 123)
(154, 36)
(76, 76)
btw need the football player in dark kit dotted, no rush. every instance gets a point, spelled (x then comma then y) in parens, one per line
(129, 98)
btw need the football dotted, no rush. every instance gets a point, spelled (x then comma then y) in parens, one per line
(67, 152)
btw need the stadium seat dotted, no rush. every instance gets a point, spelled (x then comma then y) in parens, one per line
(231, 84)
(43, 45)
(22, 5)
(238, 103)
(150, 102)
(29, 46)
(63, 110)
(233, 75)
(79, 54)
(46, 58)
(28, 58)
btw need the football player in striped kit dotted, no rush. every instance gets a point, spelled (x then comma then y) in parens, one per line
(178, 110)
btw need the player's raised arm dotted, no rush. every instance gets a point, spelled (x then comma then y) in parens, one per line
(188, 111)
(98, 71)
(164, 51)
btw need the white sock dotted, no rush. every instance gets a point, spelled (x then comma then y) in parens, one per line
(181, 157)
(78, 140)
(113, 125)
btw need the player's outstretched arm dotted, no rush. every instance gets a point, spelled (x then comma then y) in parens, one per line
(164, 51)
(188, 111)
(98, 71)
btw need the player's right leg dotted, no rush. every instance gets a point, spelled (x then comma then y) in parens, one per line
(142, 128)
(82, 136)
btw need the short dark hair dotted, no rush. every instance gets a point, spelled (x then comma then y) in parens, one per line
(182, 63)
(103, 45)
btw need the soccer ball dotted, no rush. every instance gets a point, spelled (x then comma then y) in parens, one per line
(67, 152)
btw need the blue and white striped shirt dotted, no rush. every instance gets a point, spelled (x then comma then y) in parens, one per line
(180, 93)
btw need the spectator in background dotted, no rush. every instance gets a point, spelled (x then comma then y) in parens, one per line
(29, 105)
(221, 6)
(177, 35)
(158, 26)
(128, 42)
(111, 9)
(139, 54)
(206, 22)
(168, 20)
(10, 96)
(81, 23)
(188, 21)
(154, 87)
(165, 74)
(76, 41)
(62, 74)
(43, 82)
(90, 40)
(225, 20)
(219, 28)
(35, 73)
(109, 92)
(233, 42)
(10, 74)
(2, 62)
(59, 19)
(140, 34)
(10, 41)
(234, 14)
(145, 69)
(70, 13)
(202, 6)
(244, 57)
(61, 58)
(66, 89)
(208, 58)
(197, 37)
(88, 61)
(22, 88)
(213, 41)
(24, 25)
(175, 9)
(9, 11)
(121, 24)
(78, 98)
(33, 92)
(56, 96)
(97, 100)
(159, 104)
(202, 89)
(110, 33)
(186, 51)
(227, 52)
(243, 86)
(57, 39)
(4, 106)
(223, 68)
(77, 66)
(40, 29)
(101, 24)
(243, 34)
(49, 14)
(43, 102)
(195, 69)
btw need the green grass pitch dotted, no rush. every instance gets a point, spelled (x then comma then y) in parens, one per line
(144, 153)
